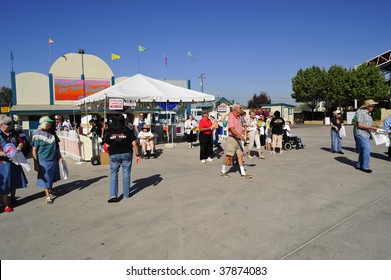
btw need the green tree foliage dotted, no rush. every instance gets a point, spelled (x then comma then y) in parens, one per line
(368, 82)
(339, 86)
(5, 96)
(261, 98)
(310, 86)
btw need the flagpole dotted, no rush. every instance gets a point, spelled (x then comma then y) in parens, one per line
(165, 63)
(12, 61)
(49, 54)
(139, 61)
(188, 67)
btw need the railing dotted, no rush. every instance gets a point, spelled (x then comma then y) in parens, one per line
(70, 144)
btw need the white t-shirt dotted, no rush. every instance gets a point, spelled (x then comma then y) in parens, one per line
(143, 134)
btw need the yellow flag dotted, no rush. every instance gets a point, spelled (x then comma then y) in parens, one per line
(115, 56)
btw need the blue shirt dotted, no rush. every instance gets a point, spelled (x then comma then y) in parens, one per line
(387, 124)
(46, 144)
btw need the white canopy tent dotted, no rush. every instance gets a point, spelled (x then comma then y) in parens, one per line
(145, 89)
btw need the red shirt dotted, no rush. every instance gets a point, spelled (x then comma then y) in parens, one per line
(205, 123)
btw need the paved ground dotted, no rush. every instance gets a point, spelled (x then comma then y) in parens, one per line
(304, 204)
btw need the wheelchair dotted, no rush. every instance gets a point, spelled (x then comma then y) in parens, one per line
(290, 142)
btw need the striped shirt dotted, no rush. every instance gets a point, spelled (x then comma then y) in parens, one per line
(364, 117)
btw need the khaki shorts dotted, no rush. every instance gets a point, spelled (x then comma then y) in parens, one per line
(233, 147)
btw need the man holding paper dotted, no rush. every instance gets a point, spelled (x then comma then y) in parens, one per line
(387, 127)
(363, 127)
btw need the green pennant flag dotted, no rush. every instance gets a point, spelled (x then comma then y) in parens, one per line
(141, 48)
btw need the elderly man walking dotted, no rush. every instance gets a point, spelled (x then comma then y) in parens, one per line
(363, 126)
(234, 146)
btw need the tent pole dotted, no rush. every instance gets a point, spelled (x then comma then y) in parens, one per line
(85, 108)
(74, 117)
(104, 112)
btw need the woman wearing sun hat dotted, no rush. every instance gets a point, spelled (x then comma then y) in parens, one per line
(336, 124)
(363, 126)
(46, 154)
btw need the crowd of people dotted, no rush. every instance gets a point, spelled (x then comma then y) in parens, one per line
(244, 133)
(123, 139)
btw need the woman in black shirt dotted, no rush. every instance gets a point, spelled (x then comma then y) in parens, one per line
(121, 142)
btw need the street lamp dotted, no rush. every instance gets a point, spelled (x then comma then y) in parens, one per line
(81, 51)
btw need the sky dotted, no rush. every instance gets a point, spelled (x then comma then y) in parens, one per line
(242, 47)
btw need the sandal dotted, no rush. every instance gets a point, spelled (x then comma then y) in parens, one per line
(49, 200)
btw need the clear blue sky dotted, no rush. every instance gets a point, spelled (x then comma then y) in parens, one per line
(243, 47)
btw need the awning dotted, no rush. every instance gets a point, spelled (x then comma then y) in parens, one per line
(43, 109)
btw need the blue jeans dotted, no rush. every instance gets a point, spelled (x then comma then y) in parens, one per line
(115, 163)
(364, 150)
(335, 138)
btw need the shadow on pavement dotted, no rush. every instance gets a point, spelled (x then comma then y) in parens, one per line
(346, 161)
(143, 183)
(62, 189)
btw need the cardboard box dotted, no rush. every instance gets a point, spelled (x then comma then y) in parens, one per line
(104, 158)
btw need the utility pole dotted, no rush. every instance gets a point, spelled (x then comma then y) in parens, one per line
(202, 77)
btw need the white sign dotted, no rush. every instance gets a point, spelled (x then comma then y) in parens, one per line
(222, 108)
(116, 104)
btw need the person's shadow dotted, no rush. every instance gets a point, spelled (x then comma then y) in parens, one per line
(346, 161)
(143, 183)
(63, 189)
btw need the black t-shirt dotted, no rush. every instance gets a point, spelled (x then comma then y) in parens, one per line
(97, 130)
(277, 125)
(337, 122)
(120, 141)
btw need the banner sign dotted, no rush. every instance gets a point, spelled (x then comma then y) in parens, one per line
(167, 105)
(68, 89)
(222, 108)
(116, 104)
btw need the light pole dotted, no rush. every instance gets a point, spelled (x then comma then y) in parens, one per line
(82, 52)
(202, 77)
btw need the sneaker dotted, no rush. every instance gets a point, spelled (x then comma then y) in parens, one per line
(280, 152)
(247, 176)
(112, 199)
(273, 152)
(224, 174)
(262, 157)
(8, 209)
(250, 156)
(340, 152)
(203, 161)
(209, 159)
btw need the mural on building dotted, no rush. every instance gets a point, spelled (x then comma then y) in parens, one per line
(70, 89)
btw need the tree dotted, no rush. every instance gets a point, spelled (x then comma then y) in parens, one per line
(310, 86)
(5, 96)
(262, 98)
(368, 82)
(339, 86)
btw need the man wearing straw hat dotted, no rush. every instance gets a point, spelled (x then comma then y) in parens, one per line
(363, 126)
